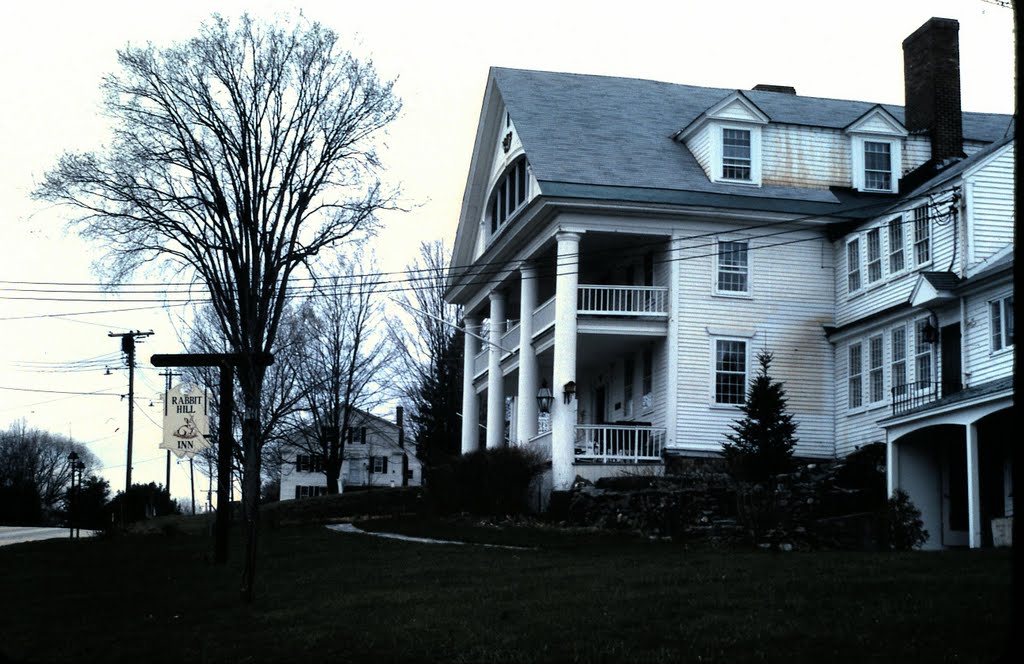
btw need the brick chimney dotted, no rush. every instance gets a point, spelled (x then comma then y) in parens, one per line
(931, 74)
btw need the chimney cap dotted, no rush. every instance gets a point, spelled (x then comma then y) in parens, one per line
(769, 87)
(935, 22)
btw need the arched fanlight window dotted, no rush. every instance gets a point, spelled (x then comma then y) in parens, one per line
(508, 194)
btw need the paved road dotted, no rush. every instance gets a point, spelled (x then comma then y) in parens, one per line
(16, 534)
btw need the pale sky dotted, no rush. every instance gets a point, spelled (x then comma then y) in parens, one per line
(54, 54)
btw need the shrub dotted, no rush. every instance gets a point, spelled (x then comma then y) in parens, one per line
(903, 528)
(485, 482)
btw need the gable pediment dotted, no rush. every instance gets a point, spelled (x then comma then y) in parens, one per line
(877, 120)
(933, 288)
(735, 107)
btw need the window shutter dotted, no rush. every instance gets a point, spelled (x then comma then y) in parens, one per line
(298, 463)
(384, 468)
(362, 435)
(296, 492)
(369, 466)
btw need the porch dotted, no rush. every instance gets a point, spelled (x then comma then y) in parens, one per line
(609, 444)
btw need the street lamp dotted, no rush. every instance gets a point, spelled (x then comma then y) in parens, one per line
(80, 465)
(73, 464)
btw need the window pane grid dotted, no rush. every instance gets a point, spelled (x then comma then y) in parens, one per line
(732, 266)
(877, 166)
(853, 266)
(895, 245)
(877, 376)
(922, 236)
(922, 353)
(899, 360)
(855, 396)
(730, 372)
(874, 255)
(736, 154)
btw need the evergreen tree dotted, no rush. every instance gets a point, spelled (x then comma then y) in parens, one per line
(763, 442)
(438, 400)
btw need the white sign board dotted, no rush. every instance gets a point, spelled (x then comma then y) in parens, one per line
(185, 420)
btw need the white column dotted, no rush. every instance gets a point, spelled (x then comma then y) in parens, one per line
(892, 466)
(973, 488)
(526, 425)
(470, 402)
(563, 415)
(495, 381)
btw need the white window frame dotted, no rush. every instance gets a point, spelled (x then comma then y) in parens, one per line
(721, 269)
(1000, 320)
(876, 369)
(715, 371)
(717, 135)
(859, 144)
(898, 360)
(874, 261)
(923, 350)
(921, 214)
(895, 228)
(647, 379)
(854, 276)
(855, 376)
(377, 465)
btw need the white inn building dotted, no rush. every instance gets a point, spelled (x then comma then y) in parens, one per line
(630, 246)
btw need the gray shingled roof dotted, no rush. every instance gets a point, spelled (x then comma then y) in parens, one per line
(604, 132)
(942, 281)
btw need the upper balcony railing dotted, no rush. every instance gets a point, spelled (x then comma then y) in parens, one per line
(623, 300)
(909, 396)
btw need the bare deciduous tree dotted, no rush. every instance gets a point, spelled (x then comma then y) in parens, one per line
(430, 348)
(345, 361)
(237, 156)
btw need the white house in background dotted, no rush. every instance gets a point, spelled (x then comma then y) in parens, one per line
(632, 245)
(375, 456)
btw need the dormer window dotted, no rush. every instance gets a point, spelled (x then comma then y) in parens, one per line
(877, 166)
(508, 195)
(736, 154)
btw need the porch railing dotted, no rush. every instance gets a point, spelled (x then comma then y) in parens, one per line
(623, 300)
(610, 443)
(909, 396)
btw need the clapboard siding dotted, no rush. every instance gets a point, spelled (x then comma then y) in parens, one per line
(700, 145)
(805, 156)
(792, 299)
(982, 363)
(992, 212)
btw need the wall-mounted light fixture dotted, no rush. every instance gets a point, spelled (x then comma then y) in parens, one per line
(569, 391)
(544, 398)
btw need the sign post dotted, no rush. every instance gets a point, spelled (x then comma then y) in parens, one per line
(227, 363)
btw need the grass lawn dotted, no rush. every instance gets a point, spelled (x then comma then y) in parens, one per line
(323, 595)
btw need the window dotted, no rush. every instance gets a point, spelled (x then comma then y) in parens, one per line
(874, 255)
(876, 375)
(736, 154)
(877, 166)
(648, 379)
(733, 268)
(895, 245)
(853, 265)
(730, 371)
(855, 396)
(922, 236)
(899, 360)
(628, 369)
(509, 193)
(304, 491)
(378, 464)
(922, 353)
(309, 463)
(1001, 322)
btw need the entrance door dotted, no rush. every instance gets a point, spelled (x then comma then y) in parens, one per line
(954, 493)
(949, 341)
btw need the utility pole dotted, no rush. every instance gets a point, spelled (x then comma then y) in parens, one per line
(128, 348)
(167, 390)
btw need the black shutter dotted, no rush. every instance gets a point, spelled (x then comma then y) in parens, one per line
(296, 492)
(385, 466)
(362, 435)
(369, 465)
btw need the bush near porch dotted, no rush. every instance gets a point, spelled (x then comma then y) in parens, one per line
(822, 505)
